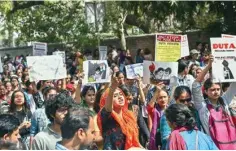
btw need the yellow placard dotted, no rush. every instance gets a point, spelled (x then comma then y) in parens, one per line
(168, 48)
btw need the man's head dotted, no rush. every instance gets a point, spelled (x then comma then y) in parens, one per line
(57, 107)
(78, 126)
(9, 128)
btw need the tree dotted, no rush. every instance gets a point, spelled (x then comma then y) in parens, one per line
(50, 21)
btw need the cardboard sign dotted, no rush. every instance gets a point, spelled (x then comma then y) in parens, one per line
(154, 72)
(134, 70)
(224, 52)
(96, 71)
(168, 47)
(39, 49)
(46, 67)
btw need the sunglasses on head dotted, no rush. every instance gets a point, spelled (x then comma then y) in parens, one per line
(185, 100)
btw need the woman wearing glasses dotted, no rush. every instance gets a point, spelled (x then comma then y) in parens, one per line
(182, 95)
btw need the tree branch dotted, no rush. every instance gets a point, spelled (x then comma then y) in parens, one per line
(134, 21)
(23, 5)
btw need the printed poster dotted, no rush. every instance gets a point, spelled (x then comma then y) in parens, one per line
(155, 72)
(228, 36)
(96, 71)
(102, 52)
(46, 67)
(168, 47)
(224, 65)
(184, 46)
(39, 49)
(62, 54)
(134, 70)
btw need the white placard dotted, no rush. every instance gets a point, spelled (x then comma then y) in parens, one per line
(46, 67)
(39, 49)
(227, 36)
(224, 52)
(154, 72)
(184, 46)
(96, 71)
(134, 70)
(102, 52)
(61, 53)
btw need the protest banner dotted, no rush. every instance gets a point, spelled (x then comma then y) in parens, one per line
(40, 49)
(96, 71)
(227, 36)
(46, 67)
(134, 70)
(224, 52)
(184, 46)
(62, 54)
(154, 72)
(168, 47)
(102, 52)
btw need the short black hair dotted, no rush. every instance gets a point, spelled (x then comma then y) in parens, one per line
(77, 117)
(53, 104)
(8, 123)
(182, 65)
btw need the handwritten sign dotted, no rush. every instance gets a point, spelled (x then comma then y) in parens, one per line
(224, 52)
(96, 71)
(39, 49)
(168, 47)
(102, 52)
(134, 70)
(46, 67)
(62, 54)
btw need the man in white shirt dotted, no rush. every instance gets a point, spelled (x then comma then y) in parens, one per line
(194, 56)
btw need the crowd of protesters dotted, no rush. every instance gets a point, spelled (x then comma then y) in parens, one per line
(191, 113)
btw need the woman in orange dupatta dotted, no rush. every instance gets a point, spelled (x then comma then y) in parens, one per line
(116, 123)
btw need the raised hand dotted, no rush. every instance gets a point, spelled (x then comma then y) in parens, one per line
(114, 81)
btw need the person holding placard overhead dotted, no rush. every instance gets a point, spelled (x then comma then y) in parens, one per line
(214, 110)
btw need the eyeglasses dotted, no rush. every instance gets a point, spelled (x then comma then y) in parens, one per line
(185, 100)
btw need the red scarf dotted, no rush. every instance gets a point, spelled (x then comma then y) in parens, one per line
(176, 140)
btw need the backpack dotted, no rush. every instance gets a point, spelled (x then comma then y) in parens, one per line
(222, 130)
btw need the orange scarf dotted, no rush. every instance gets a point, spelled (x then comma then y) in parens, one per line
(128, 123)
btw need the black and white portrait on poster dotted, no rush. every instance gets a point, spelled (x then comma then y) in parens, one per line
(224, 52)
(154, 72)
(96, 71)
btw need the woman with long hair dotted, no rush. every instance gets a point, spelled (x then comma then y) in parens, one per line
(185, 134)
(21, 110)
(214, 110)
(117, 124)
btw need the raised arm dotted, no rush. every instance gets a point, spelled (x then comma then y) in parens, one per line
(140, 90)
(197, 87)
(113, 87)
(201, 76)
(78, 91)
